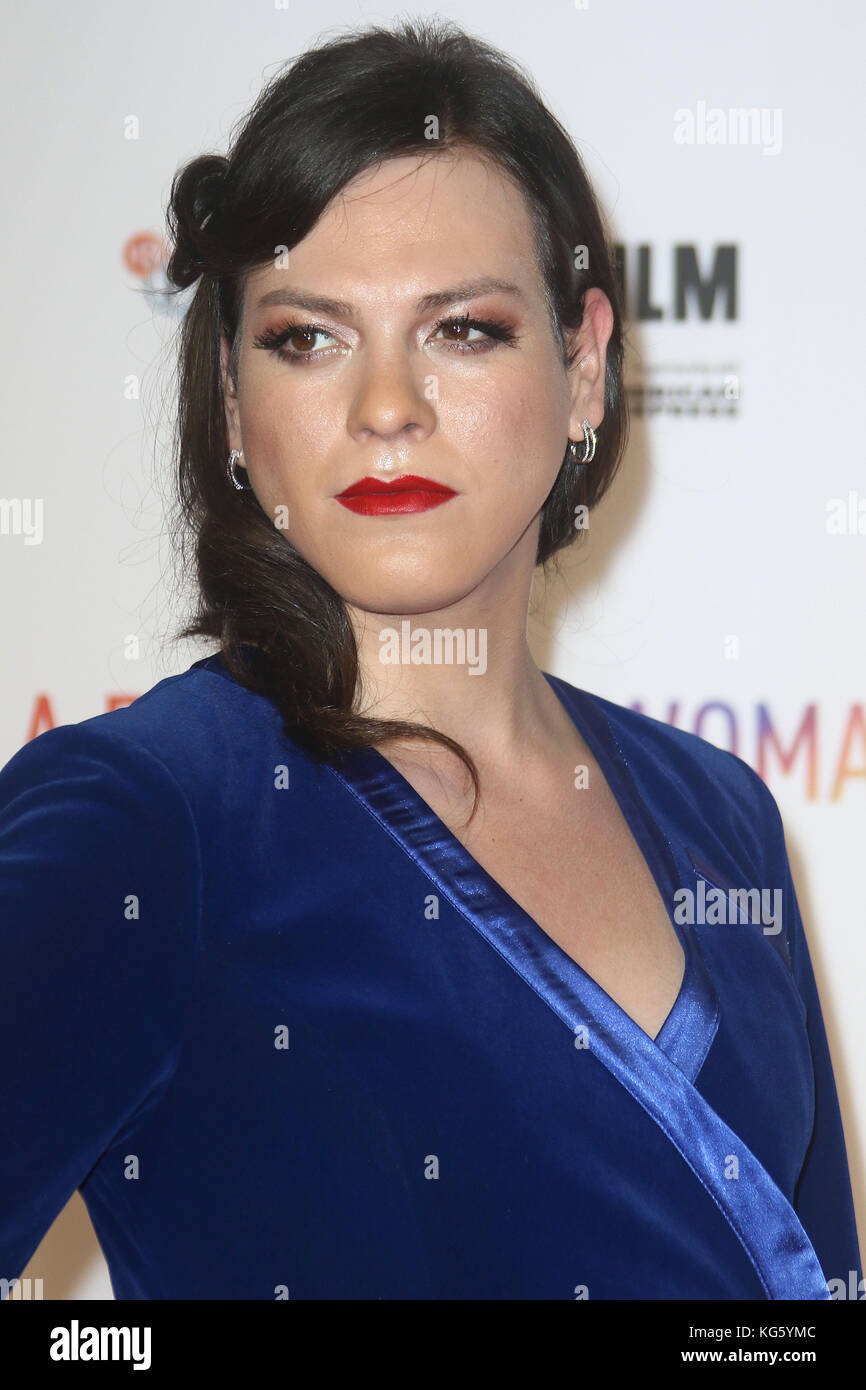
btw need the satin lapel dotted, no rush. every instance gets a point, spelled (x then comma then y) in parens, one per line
(757, 1209)
(658, 1074)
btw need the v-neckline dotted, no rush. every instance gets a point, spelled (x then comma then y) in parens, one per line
(691, 1023)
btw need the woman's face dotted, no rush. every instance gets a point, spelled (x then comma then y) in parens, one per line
(390, 385)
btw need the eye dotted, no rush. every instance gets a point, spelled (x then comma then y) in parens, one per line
(275, 340)
(492, 331)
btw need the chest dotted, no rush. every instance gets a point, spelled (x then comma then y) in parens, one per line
(575, 868)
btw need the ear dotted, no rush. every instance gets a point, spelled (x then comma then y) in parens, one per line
(230, 396)
(587, 372)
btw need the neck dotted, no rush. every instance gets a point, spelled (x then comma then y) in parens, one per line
(464, 668)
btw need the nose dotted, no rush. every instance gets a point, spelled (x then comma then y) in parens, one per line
(393, 396)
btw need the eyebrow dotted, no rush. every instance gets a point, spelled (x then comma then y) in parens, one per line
(341, 309)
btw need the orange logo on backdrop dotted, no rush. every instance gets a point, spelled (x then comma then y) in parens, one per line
(144, 253)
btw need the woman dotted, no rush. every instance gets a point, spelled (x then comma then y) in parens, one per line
(351, 963)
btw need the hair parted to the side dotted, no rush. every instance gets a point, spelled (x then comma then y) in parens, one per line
(338, 109)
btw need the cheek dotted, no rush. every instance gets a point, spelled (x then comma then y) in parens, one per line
(539, 409)
(538, 419)
(283, 438)
(513, 440)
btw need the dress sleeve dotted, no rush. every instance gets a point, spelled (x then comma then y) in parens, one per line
(822, 1199)
(100, 891)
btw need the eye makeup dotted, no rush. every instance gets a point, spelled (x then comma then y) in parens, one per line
(496, 331)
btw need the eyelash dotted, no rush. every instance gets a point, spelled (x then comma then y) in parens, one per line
(274, 338)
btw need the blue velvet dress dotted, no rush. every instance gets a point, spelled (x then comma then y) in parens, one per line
(289, 1039)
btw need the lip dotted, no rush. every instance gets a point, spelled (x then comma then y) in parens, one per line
(408, 493)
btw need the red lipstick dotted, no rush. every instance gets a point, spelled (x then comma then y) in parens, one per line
(409, 493)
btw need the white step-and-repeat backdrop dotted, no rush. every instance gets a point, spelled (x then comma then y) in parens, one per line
(721, 584)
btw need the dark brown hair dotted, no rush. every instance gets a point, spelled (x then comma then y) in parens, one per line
(341, 107)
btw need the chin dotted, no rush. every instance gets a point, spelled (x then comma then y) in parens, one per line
(415, 594)
(391, 602)
(406, 579)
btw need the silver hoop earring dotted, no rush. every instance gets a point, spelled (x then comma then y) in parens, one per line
(234, 457)
(590, 441)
